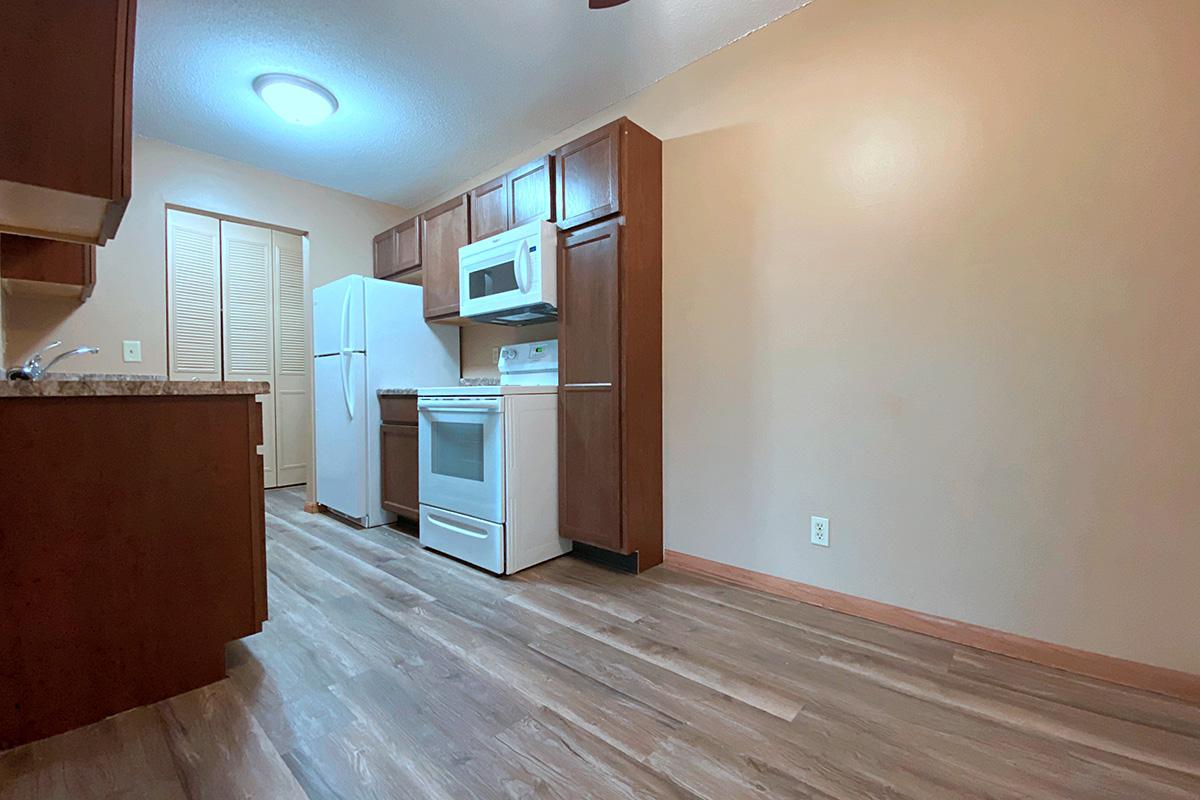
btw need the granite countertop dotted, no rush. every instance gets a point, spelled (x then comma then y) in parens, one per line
(125, 386)
(410, 391)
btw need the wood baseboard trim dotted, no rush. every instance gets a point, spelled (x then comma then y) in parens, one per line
(1161, 680)
(312, 508)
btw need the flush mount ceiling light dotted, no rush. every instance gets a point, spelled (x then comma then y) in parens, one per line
(295, 99)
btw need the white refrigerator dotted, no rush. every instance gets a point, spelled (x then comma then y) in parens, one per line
(368, 334)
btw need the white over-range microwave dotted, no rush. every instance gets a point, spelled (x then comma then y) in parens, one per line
(511, 278)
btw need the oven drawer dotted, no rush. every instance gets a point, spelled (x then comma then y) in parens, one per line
(475, 541)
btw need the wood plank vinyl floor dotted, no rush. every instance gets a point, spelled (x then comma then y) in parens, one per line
(387, 671)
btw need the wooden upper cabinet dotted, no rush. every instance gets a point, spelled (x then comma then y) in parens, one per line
(588, 172)
(398, 250)
(489, 209)
(408, 245)
(44, 266)
(65, 109)
(446, 228)
(516, 198)
(384, 251)
(531, 192)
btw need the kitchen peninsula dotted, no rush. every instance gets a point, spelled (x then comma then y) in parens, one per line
(132, 544)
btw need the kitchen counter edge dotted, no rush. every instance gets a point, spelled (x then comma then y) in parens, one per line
(130, 388)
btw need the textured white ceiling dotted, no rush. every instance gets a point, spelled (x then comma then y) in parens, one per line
(431, 91)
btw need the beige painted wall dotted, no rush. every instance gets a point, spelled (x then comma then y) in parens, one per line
(933, 270)
(130, 297)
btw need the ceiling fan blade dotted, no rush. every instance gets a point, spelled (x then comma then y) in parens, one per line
(605, 3)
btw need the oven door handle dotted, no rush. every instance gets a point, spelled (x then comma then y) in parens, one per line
(490, 405)
(450, 526)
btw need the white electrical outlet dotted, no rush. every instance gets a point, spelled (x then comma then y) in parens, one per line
(820, 531)
(131, 351)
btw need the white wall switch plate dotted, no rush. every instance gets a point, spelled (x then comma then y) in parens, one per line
(131, 351)
(820, 531)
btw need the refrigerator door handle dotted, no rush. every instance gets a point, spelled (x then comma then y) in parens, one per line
(347, 384)
(345, 327)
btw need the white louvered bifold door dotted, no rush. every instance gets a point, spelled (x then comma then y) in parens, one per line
(293, 426)
(249, 326)
(193, 297)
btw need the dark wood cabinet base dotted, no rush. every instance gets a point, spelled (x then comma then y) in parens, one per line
(132, 550)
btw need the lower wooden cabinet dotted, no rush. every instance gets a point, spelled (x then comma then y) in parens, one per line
(589, 466)
(127, 591)
(398, 449)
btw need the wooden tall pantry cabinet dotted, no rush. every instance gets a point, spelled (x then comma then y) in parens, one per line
(236, 311)
(609, 197)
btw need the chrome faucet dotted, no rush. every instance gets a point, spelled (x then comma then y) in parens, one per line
(33, 370)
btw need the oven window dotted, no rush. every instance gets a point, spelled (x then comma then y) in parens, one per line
(493, 280)
(457, 450)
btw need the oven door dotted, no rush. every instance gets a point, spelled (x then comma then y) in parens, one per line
(461, 452)
(499, 278)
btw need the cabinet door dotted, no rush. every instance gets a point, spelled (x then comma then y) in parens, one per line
(447, 228)
(399, 470)
(489, 209)
(589, 405)
(386, 257)
(531, 192)
(408, 244)
(588, 176)
(589, 472)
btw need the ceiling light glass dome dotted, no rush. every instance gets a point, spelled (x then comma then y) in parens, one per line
(295, 99)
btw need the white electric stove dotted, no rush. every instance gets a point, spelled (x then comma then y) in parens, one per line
(489, 464)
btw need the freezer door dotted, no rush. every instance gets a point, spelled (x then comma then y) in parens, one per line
(341, 433)
(338, 321)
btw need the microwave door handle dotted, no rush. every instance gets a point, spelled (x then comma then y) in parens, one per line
(523, 267)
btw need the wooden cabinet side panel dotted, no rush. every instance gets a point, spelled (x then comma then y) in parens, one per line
(447, 228)
(257, 512)
(641, 346)
(122, 153)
